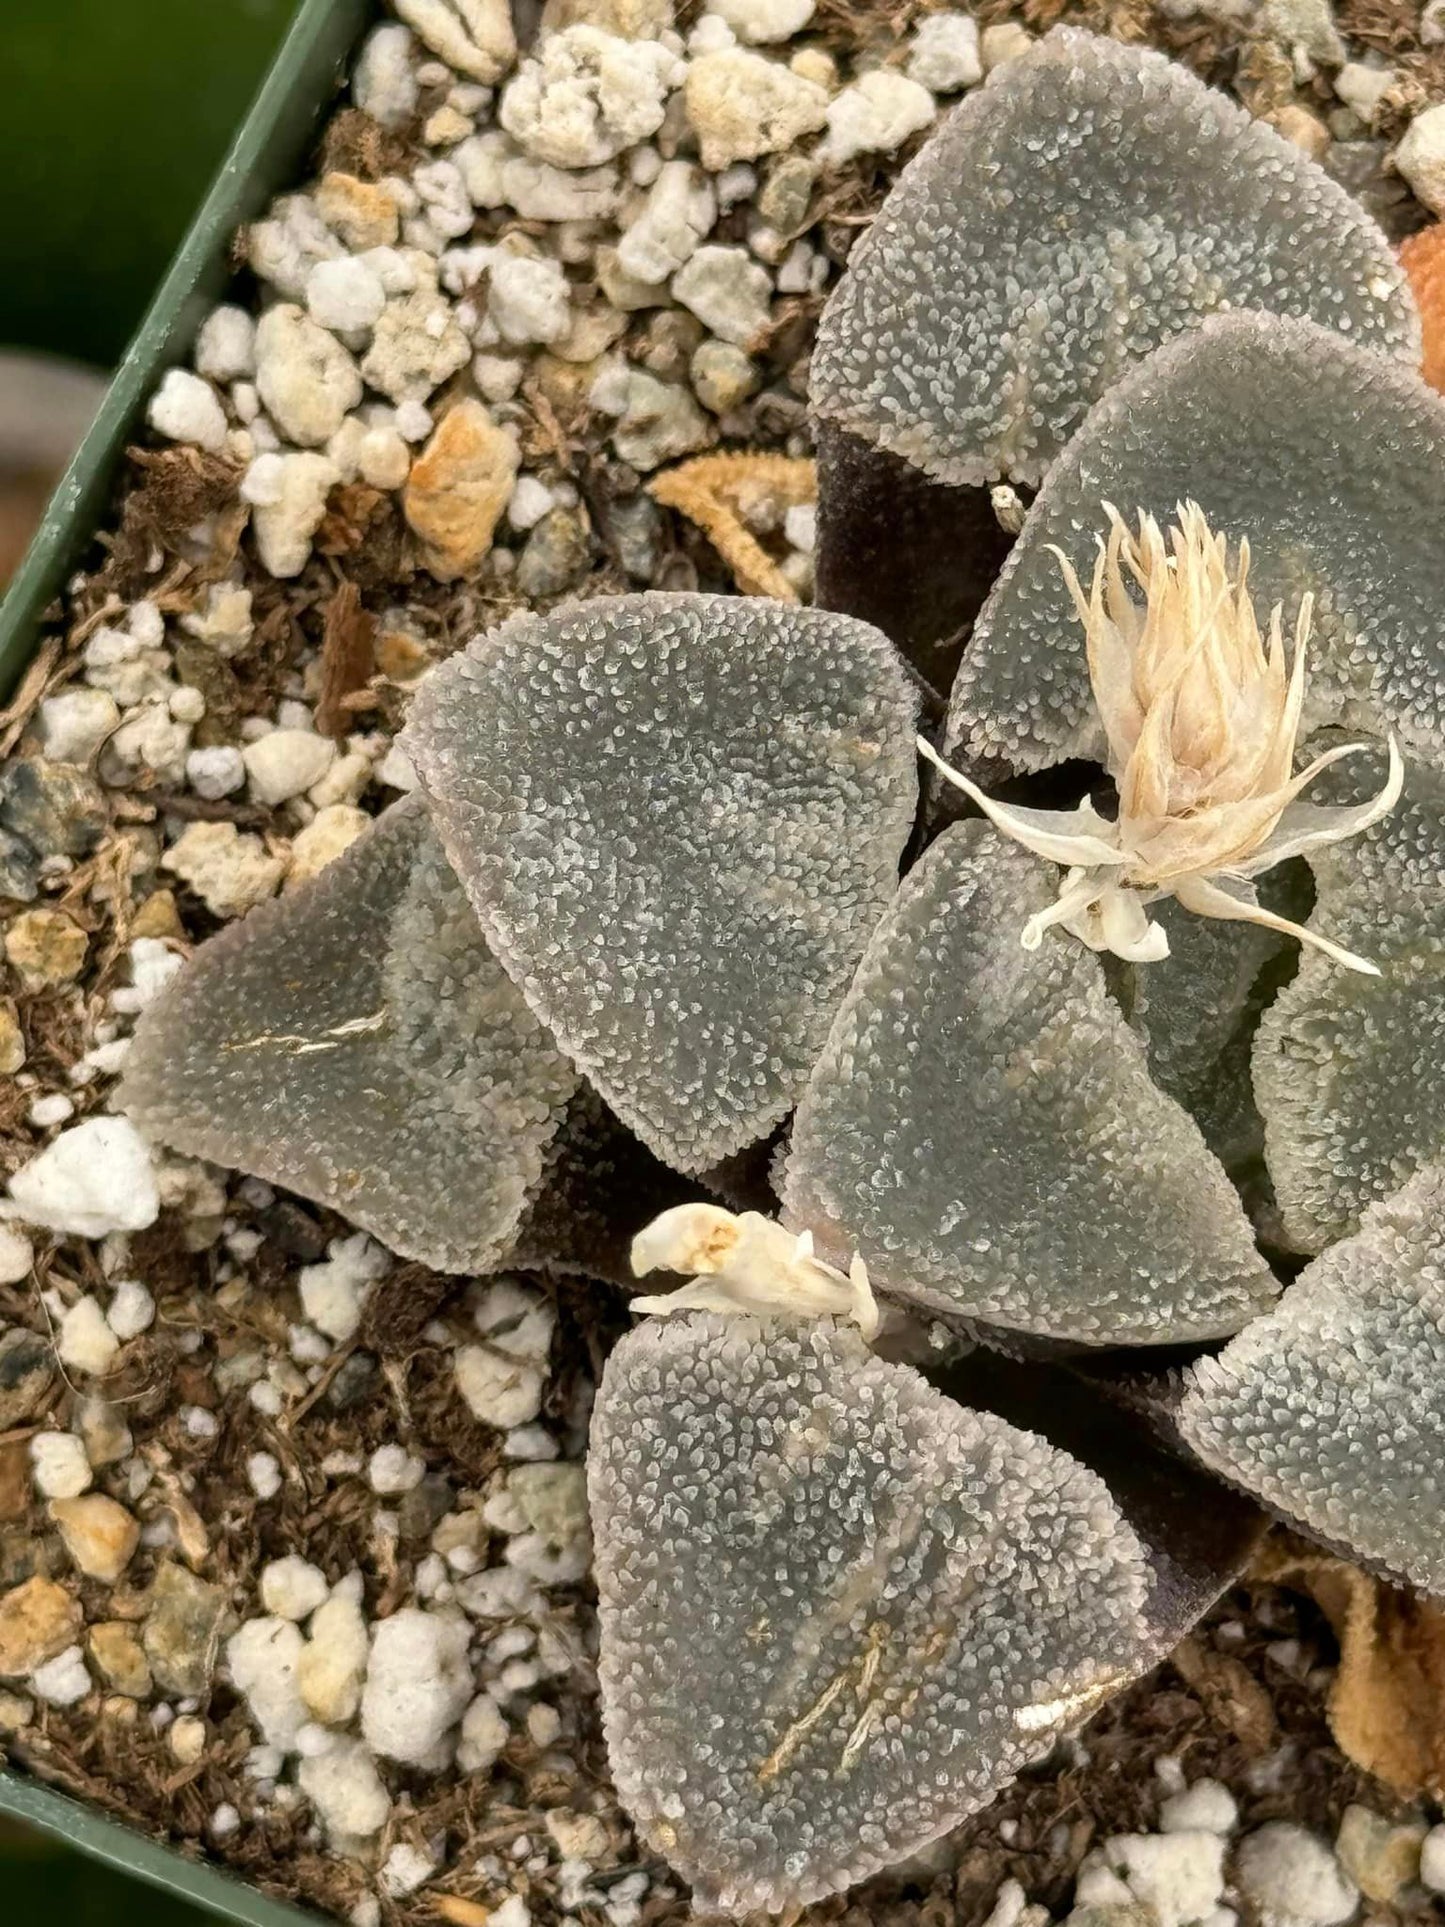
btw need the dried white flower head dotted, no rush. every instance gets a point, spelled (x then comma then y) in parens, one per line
(750, 1264)
(1201, 714)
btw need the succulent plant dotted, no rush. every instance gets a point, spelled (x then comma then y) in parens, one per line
(880, 1509)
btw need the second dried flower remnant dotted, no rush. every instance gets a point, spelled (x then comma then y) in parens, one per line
(1201, 714)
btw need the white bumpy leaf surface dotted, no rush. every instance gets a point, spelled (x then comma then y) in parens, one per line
(1332, 1408)
(982, 1127)
(1330, 460)
(838, 1610)
(1349, 1071)
(1088, 203)
(357, 1042)
(679, 818)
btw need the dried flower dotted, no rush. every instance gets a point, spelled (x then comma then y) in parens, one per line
(750, 1264)
(1201, 714)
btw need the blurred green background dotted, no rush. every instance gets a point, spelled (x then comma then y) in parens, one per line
(113, 117)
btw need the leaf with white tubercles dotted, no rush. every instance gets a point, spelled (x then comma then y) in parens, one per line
(678, 818)
(1089, 202)
(357, 1042)
(1332, 1408)
(838, 1611)
(1349, 1071)
(1329, 460)
(982, 1127)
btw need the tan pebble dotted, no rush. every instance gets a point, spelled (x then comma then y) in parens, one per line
(46, 947)
(187, 1740)
(228, 871)
(99, 1535)
(329, 832)
(459, 487)
(37, 1622)
(400, 655)
(1380, 1856)
(446, 127)
(16, 1712)
(812, 63)
(12, 1040)
(158, 917)
(119, 1656)
(363, 214)
(579, 1836)
(1303, 129)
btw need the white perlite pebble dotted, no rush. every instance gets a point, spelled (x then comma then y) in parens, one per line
(286, 763)
(288, 496)
(384, 84)
(229, 872)
(418, 1685)
(484, 1734)
(214, 773)
(1206, 1807)
(405, 1869)
(333, 1292)
(17, 1255)
(59, 1465)
(186, 409)
(54, 1108)
(527, 298)
(95, 1178)
(586, 95)
(680, 212)
(263, 1657)
(539, 192)
(760, 21)
(345, 294)
(1292, 1878)
(74, 724)
(132, 1309)
(292, 1588)
(346, 1790)
(62, 1681)
(499, 1391)
(876, 115)
(226, 345)
(1432, 1860)
(333, 1666)
(728, 292)
(305, 377)
(474, 36)
(1420, 157)
(392, 1470)
(531, 500)
(514, 1911)
(944, 55)
(1179, 1876)
(85, 1342)
(742, 104)
(263, 1470)
(225, 623)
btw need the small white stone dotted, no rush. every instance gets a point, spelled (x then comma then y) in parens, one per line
(263, 1470)
(742, 104)
(262, 1658)
(444, 195)
(187, 409)
(516, 1320)
(228, 871)
(225, 623)
(1180, 1876)
(586, 95)
(711, 35)
(226, 345)
(680, 213)
(1420, 157)
(393, 1470)
(152, 966)
(540, 192)
(383, 459)
(484, 1734)
(307, 380)
(500, 1391)
(758, 22)
(396, 770)
(54, 1108)
(292, 1588)
(74, 724)
(1206, 1807)
(405, 1869)
(284, 248)
(514, 1912)
(1432, 1860)
(149, 739)
(345, 294)
(330, 831)
(346, 1790)
(800, 526)
(59, 1465)
(999, 44)
(944, 54)
(132, 1309)
(531, 500)
(876, 115)
(418, 1685)
(528, 298)
(62, 1681)
(384, 84)
(1292, 1878)
(286, 763)
(1362, 87)
(17, 1255)
(95, 1178)
(217, 772)
(334, 1291)
(187, 705)
(224, 1822)
(288, 494)
(728, 291)
(85, 1341)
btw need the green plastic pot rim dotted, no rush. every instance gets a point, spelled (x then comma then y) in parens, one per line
(264, 157)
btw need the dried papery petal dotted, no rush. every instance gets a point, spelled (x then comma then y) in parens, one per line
(1330, 461)
(1091, 201)
(358, 1043)
(982, 1127)
(678, 818)
(1332, 1407)
(728, 496)
(838, 1611)
(1350, 1071)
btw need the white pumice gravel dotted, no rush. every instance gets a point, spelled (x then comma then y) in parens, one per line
(97, 1177)
(185, 408)
(59, 1465)
(1292, 1878)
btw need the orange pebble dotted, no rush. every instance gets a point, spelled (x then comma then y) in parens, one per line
(1422, 257)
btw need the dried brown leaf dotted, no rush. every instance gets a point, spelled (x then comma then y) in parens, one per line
(348, 656)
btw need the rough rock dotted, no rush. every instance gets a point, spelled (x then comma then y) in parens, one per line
(288, 495)
(474, 36)
(229, 870)
(100, 1535)
(586, 95)
(45, 948)
(93, 1179)
(305, 377)
(38, 1621)
(742, 104)
(182, 1630)
(119, 1656)
(728, 291)
(458, 489)
(1290, 1876)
